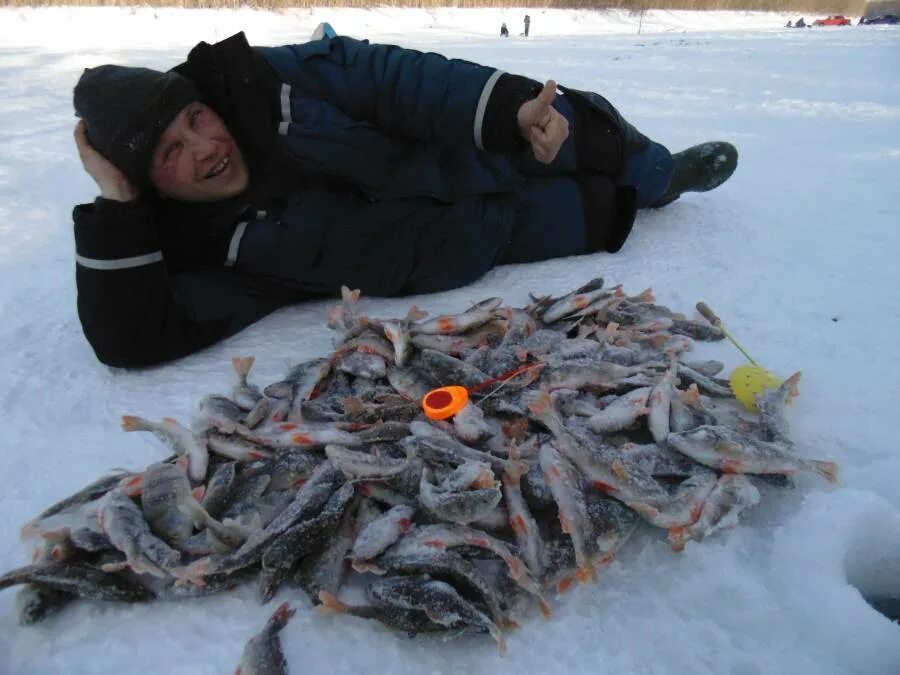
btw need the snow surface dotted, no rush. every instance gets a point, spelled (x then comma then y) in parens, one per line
(797, 253)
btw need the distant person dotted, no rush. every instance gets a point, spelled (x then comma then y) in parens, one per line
(800, 23)
(788, 24)
(504, 31)
(250, 178)
(527, 25)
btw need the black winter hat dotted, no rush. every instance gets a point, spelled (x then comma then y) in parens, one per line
(125, 111)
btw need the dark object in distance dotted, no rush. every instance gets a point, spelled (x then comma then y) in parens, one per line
(885, 20)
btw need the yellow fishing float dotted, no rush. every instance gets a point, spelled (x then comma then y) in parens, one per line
(749, 380)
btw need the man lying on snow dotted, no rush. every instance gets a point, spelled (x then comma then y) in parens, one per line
(249, 178)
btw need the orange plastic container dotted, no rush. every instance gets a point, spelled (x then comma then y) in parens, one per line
(444, 402)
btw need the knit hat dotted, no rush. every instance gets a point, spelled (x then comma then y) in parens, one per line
(125, 111)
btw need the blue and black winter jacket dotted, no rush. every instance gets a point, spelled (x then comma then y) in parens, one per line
(371, 166)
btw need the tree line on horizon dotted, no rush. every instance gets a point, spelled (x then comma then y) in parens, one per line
(850, 8)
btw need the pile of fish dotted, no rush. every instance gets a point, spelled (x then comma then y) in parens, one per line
(585, 420)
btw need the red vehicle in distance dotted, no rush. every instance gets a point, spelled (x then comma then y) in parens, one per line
(836, 20)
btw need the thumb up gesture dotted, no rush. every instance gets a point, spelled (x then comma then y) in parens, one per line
(542, 125)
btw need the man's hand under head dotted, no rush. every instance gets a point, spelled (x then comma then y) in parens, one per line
(542, 125)
(112, 182)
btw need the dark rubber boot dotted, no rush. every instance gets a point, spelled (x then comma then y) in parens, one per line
(700, 168)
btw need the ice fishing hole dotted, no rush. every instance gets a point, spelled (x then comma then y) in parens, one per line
(872, 566)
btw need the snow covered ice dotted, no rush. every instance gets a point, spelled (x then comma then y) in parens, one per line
(797, 254)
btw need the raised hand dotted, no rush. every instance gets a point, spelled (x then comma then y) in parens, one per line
(109, 178)
(542, 125)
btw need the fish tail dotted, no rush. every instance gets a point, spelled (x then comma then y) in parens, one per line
(792, 383)
(646, 295)
(829, 470)
(281, 616)
(497, 634)
(678, 536)
(242, 365)
(415, 314)
(134, 423)
(29, 530)
(331, 603)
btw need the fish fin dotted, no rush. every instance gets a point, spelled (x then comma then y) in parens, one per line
(564, 584)
(192, 573)
(658, 341)
(363, 567)
(829, 470)
(647, 511)
(134, 423)
(604, 559)
(620, 470)
(331, 603)
(691, 396)
(542, 405)
(585, 573)
(133, 486)
(678, 536)
(546, 612)
(731, 466)
(353, 405)
(514, 469)
(484, 481)
(729, 448)
(57, 535)
(198, 492)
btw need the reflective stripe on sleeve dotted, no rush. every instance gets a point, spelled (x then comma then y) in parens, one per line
(482, 106)
(286, 103)
(235, 244)
(121, 263)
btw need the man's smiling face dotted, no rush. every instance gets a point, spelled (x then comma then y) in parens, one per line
(197, 159)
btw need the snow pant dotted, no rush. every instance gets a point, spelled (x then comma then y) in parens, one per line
(565, 210)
